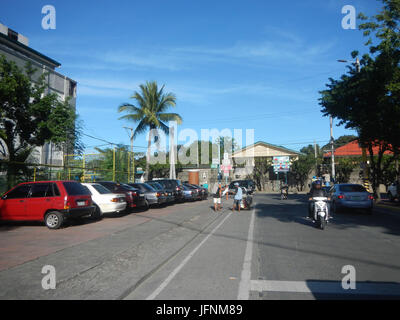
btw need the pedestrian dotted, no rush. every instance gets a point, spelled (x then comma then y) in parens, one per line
(217, 198)
(238, 197)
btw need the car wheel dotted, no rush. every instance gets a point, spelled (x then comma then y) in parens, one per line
(96, 214)
(146, 205)
(54, 220)
(391, 198)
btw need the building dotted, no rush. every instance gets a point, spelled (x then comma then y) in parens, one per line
(15, 47)
(244, 159)
(352, 149)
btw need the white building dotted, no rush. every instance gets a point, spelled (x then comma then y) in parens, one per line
(15, 47)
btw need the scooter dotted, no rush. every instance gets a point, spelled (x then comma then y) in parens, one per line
(320, 211)
(247, 199)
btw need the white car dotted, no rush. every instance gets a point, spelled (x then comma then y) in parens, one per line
(392, 191)
(104, 200)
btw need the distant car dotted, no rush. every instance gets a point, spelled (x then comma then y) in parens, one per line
(50, 201)
(248, 184)
(134, 197)
(393, 191)
(204, 191)
(169, 197)
(173, 185)
(189, 194)
(153, 197)
(105, 200)
(197, 191)
(351, 196)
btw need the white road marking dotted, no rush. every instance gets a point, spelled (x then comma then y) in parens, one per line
(328, 287)
(244, 285)
(183, 263)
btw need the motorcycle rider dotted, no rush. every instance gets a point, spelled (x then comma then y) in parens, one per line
(316, 191)
(284, 189)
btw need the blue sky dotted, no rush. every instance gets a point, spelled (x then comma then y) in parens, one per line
(232, 64)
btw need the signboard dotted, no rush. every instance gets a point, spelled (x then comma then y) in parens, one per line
(226, 167)
(281, 164)
(215, 161)
(226, 173)
(214, 166)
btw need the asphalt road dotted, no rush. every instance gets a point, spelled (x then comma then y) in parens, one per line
(187, 251)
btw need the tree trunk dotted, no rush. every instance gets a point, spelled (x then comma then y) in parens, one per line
(148, 157)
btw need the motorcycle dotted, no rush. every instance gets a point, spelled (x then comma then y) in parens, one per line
(320, 211)
(247, 199)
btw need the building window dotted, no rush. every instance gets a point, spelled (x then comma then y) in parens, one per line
(12, 34)
(72, 88)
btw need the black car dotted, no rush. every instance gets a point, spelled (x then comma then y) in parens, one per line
(248, 184)
(134, 197)
(173, 185)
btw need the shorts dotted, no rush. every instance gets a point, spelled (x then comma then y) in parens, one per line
(217, 200)
(237, 202)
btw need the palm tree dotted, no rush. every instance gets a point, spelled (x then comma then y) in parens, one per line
(152, 103)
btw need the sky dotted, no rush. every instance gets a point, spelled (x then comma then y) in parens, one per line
(231, 64)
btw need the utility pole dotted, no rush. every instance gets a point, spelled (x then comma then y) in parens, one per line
(131, 155)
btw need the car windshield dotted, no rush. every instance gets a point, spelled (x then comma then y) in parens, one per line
(352, 188)
(100, 189)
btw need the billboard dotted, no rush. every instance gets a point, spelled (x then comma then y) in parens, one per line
(281, 164)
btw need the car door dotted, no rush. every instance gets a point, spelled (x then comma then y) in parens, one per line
(39, 201)
(13, 205)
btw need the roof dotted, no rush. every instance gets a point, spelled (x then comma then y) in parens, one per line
(351, 149)
(268, 145)
(16, 45)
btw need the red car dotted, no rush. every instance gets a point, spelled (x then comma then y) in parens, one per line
(50, 201)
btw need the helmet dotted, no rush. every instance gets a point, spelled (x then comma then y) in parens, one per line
(236, 184)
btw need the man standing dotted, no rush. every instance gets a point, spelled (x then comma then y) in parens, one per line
(238, 197)
(217, 198)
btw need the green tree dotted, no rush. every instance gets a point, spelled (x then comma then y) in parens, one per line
(301, 169)
(367, 98)
(29, 116)
(152, 103)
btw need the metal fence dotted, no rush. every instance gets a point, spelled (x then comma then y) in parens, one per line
(116, 165)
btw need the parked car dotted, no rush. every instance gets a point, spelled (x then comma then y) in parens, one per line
(393, 191)
(167, 193)
(197, 191)
(153, 197)
(353, 196)
(52, 202)
(248, 184)
(204, 191)
(174, 185)
(189, 193)
(104, 200)
(134, 197)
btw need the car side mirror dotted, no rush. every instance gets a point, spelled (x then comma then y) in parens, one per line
(4, 197)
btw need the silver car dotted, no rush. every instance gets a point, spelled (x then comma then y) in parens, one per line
(351, 196)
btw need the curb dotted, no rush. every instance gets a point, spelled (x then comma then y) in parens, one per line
(387, 207)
